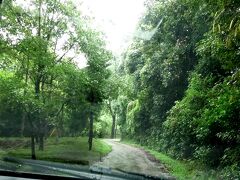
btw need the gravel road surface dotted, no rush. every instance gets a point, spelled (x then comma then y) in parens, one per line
(132, 159)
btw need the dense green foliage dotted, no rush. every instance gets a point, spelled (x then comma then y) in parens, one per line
(43, 91)
(186, 81)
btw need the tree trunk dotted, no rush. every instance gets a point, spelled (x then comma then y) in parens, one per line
(1, 9)
(37, 139)
(113, 126)
(41, 142)
(22, 124)
(24, 94)
(115, 132)
(90, 131)
(61, 130)
(33, 147)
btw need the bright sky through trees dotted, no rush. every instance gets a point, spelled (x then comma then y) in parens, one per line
(116, 18)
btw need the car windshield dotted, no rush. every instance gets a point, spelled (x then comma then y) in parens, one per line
(121, 88)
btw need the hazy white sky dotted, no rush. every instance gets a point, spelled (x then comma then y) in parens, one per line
(116, 18)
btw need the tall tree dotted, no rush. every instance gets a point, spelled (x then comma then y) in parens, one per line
(39, 43)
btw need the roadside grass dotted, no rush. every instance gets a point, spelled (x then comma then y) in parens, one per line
(180, 169)
(66, 149)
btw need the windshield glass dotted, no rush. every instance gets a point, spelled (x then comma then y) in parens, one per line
(144, 88)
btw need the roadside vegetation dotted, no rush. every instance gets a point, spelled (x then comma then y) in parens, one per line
(67, 150)
(181, 87)
(43, 90)
(183, 169)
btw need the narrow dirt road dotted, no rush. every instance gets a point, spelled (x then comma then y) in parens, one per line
(131, 159)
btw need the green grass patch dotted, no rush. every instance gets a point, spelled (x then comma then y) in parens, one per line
(66, 149)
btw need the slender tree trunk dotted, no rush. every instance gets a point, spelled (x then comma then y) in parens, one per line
(33, 147)
(41, 142)
(90, 131)
(39, 18)
(37, 85)
(38, 80)
(113, 119)
(37, 139)
(113, 126)
(24, 94)
(1, 9)
(61, 130)
(23, 124)
(115, 131)
(41, 133)
(37, 91)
